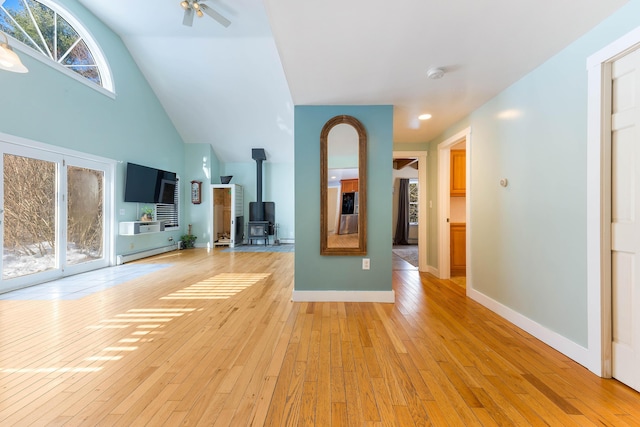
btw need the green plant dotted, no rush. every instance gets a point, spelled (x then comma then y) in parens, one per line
(147, 213)
(188, 241)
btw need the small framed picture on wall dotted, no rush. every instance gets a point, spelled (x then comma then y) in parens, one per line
(196, 192)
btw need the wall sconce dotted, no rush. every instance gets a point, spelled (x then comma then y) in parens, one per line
(9, 61)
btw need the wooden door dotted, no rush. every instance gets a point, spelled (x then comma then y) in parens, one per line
(625, 228)
(458, 173)
(458, 242)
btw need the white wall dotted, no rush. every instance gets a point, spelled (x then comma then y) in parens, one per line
(529, 239)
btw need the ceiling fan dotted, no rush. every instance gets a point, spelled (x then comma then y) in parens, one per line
(197, 7)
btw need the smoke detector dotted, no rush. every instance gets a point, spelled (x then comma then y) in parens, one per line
(435, 73)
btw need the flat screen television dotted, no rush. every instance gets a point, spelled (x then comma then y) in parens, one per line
(144, 184)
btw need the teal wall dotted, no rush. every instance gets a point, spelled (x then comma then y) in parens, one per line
(529, 239)
(314, 272)
(201, 164)
(277, 187)
(47, 106)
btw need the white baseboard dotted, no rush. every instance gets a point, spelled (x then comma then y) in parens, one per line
(344, 296)
(124, 258)
(432, 270)
(553, 339)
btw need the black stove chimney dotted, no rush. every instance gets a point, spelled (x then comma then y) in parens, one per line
(259, 156)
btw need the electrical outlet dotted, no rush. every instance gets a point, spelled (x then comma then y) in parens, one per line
(121, 212)
(366, 263)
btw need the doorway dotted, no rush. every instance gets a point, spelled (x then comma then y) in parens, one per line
(613, 161)
(416, 160)
(54, 220)
(454, 220)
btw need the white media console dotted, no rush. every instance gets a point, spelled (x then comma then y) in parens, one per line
(131, 228)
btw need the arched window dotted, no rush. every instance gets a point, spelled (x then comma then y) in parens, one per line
(54, 33)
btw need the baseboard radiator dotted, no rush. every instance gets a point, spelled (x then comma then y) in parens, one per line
(132, 256)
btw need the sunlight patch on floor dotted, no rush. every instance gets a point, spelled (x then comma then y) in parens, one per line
(146, 322)
(221, 286)
(47, 370)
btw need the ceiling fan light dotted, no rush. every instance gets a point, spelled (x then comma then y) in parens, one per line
(9, 60)
(184, 4)
(199, 13)
(196, 5)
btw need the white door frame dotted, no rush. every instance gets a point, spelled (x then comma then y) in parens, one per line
(423, 217)
(23, 146)
(444, 203)
(599, 201)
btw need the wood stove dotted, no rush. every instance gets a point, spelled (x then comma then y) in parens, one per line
(261, 214)
(258, 230)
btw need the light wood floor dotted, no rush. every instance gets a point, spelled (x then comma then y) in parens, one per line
(215, 340)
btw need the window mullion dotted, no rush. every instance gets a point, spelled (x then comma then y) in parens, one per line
(33, 42)
(35, 24)
(55, 35)
(78, 40)
(87, 63)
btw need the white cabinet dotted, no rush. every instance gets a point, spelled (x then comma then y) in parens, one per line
(227, 215)
(131, 228)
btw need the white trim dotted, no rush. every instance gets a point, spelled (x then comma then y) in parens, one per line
(109, 184)
(18, 45)
(344, 296)
(423, 210)
(599, 201)
(132, 256)
(108, 85)
(18, 140)
(444, 153)
(432, 270)
(549, 337)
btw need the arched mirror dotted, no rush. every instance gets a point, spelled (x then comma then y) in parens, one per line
(343, 187)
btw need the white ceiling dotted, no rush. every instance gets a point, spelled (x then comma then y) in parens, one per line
(235, 87)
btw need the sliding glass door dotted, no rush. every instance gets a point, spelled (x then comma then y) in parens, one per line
(30, 212)
(53, 215)
(85, 215)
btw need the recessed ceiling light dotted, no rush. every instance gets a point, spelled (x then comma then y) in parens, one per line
(424, 116)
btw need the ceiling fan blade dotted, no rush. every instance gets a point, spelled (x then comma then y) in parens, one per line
(188, 17)
(215, 15)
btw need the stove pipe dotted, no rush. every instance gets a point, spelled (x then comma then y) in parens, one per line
(259, 156)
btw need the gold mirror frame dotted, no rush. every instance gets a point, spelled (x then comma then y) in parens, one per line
(361, 249)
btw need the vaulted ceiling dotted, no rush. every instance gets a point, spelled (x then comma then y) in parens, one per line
(235, 87)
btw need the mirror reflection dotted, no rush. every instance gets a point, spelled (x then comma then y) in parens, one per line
(343, 142)
(342, 191)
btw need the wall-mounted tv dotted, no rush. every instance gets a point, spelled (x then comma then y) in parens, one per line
(144, 184)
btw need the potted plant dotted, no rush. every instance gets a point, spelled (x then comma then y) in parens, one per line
(188, 240)
(147, 214)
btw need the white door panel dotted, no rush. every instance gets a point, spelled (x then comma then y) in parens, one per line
(625, 229)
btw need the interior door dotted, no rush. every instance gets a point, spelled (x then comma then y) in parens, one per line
(625, 227)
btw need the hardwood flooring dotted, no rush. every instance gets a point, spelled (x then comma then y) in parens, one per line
(343, 240)
(215, 340)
